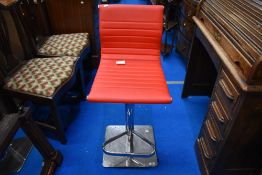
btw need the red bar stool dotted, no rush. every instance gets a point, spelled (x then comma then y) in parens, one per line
(130, 72)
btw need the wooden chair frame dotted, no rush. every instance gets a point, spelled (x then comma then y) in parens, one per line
(22, 119)
(52, 101)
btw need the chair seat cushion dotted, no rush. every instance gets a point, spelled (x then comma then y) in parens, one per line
(131, 33)
(64, 44)
(138, 81)
(42, 76)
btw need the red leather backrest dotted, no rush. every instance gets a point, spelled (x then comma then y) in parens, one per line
(131, 29)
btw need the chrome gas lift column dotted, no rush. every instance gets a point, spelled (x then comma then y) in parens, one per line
(129, 145)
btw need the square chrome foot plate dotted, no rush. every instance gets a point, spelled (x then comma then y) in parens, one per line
(122, 145)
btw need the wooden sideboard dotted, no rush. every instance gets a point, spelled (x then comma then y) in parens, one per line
(226, 63)
(187, 9)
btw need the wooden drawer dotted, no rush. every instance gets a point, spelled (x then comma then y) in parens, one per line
(205, 163)
(219, 114)
(186, 27)
(213, 135)
(227, 92)
(183, 45)
(206, 153)
(187, 9)
(207, 146)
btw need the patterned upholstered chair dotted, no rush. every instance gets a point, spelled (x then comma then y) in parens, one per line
(40, 80)
(74, 44)
(64, 44)
(44, 80)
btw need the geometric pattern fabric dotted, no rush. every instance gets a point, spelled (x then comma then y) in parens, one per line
(42, 76)
(64, 44)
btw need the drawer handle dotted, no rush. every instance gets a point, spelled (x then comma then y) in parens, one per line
(211, 131)
(184, 24)
(227, 91)
(205, 149)
(218, 114)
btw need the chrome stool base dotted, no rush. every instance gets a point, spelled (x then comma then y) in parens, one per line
(121, 145)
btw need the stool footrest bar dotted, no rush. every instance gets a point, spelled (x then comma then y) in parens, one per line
(129, 154)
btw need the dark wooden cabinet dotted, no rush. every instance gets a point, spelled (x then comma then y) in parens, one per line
(230, 138)
(187, 9)
(225, 63)
(183, 45)
(70, 16)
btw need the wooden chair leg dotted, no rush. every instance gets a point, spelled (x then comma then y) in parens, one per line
(81, 78)
(52, 157)
(57, 122)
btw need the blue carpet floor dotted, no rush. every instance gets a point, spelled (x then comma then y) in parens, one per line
(176, 127)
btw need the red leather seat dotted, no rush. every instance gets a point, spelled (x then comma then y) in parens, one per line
(131, 33)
